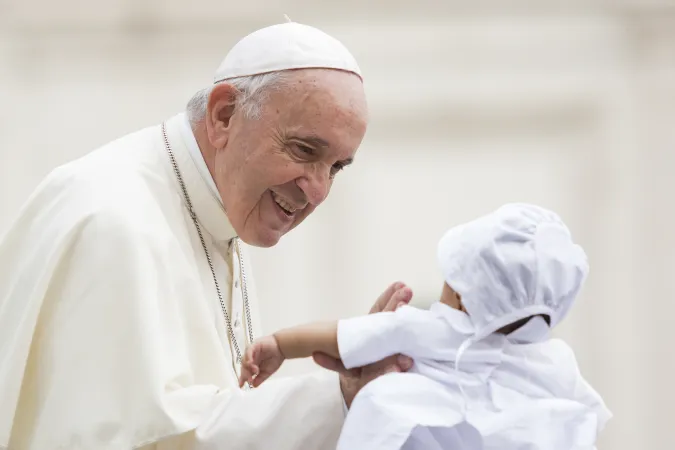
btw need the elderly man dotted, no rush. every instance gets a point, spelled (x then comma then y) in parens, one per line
(126, 297)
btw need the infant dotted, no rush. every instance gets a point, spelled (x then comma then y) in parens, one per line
(486, 373)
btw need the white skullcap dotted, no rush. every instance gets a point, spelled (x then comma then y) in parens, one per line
(282, 47)
(516, 262)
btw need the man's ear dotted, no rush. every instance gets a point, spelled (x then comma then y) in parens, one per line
(219, 112)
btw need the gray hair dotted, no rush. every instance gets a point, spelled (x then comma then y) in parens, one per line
(253, 90)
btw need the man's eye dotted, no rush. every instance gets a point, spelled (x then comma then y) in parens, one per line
(336, 168)
(306, 150)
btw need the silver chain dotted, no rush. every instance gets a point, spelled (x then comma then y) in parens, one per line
(244, 291)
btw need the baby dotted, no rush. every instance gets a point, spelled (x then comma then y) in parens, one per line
(486, 373)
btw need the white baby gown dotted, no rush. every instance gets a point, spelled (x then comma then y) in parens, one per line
(470, 387)
(505, 395)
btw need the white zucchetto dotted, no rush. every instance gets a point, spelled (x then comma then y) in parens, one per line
(285, 46)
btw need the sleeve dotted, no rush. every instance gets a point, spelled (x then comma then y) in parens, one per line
(367, 339)
(296, 413)
(94, 326)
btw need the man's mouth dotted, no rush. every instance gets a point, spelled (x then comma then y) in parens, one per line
(283, 204)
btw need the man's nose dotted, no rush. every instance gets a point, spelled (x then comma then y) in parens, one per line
(316, 185)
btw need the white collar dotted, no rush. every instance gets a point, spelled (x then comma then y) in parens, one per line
(536, 330)
(458, 319)
(196, 154)
(206, 205)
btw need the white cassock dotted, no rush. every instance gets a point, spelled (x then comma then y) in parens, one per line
(512, 396)
(111, 331)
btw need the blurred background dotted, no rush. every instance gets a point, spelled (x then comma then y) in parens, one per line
(569, 104)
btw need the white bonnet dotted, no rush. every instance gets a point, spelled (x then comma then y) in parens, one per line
(516, 262)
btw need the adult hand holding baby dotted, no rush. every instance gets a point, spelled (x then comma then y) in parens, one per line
(352, 380)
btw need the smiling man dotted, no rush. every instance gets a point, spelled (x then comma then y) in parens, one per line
(275, 163)
(126, 297)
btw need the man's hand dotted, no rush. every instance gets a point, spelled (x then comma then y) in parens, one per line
(351, 381)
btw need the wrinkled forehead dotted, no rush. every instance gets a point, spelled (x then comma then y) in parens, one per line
(327, 104)
(327, 94)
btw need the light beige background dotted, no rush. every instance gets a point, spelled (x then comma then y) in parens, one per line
(570, 104)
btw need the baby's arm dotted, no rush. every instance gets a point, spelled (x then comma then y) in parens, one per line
(357, 342)
(264, 356)
(304, 340)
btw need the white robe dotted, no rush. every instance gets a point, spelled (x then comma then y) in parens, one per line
(514, 396)
(111, 332)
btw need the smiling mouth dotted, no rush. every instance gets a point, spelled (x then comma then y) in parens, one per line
(286, 207)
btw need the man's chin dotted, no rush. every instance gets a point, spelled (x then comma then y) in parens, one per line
(268, 235)
(264, 238)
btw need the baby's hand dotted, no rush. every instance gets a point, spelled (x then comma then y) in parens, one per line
(261, 360)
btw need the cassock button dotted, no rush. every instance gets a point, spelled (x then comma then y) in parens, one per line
(237, 322)
(236, 284)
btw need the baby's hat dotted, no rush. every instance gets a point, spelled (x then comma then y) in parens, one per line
(513, 263)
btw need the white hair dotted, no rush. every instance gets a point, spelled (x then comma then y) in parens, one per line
(253, 92)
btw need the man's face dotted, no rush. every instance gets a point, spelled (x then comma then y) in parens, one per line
(273, 171)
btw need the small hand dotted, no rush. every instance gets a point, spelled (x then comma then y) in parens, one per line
(351, 381)
(261, 360)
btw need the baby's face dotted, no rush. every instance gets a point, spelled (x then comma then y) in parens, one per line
(451, 298)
